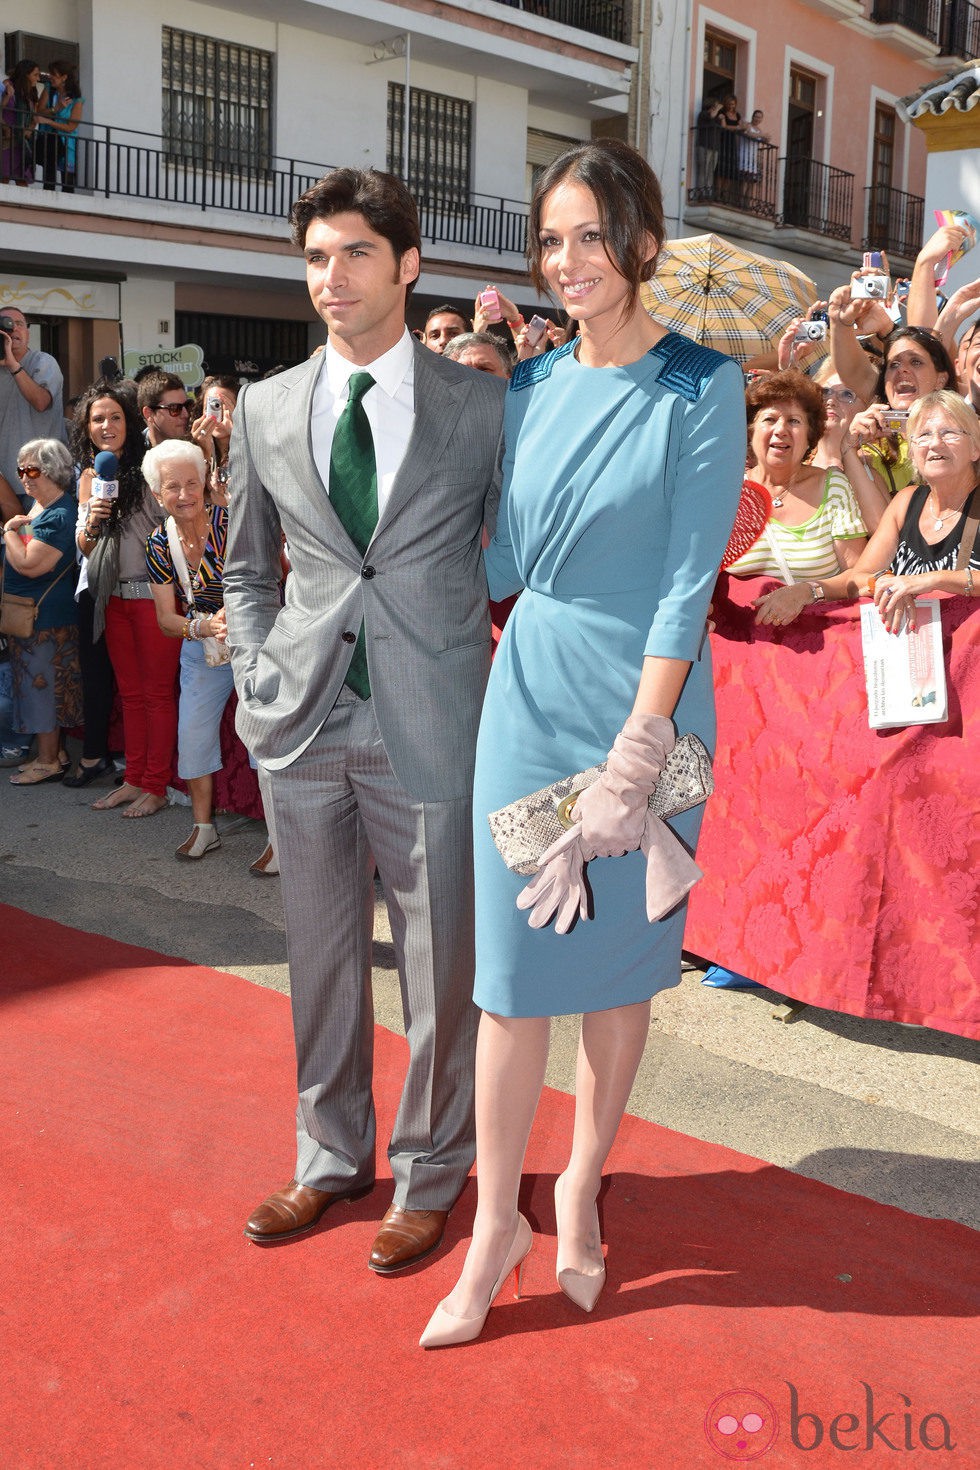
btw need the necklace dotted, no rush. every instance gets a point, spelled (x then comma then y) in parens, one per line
(940, 520)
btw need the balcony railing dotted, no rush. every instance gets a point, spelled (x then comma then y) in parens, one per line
(122, 163)
(919, 16)
(893, 221)
(817, 197)
(734, 171)
(959, 30)
(599, 17)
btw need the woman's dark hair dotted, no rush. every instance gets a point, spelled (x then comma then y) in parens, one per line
(382, 199)
(18, 76)
(788, 387)
(930, 345)
(69, 71)
(131, 454)
(629, 201)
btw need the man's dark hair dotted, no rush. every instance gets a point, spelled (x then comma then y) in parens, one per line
(630, 204)
(154, 385)
(447, 310)
(382, 199)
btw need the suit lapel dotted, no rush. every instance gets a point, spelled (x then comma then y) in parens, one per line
(294, 413)
(438, 405)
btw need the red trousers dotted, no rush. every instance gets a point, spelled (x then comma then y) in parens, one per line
(145, 663)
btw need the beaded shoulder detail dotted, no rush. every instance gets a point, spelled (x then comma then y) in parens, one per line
(687, 366)
(536, 369)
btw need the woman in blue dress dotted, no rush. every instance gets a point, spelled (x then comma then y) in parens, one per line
(624, 453)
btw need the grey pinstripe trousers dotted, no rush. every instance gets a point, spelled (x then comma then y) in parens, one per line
(339, 810)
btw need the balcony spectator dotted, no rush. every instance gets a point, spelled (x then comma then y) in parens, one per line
(730, 126)
(18, 121)
(112, 539)
(707, 142)
(39, 562)
(748, 157)
(482, 351)
(816, 528)
(30, 393)
(165, 407)
(443, 324)
(61, 111)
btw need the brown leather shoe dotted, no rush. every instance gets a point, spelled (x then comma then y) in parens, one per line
(406, 1236)
(293, 1210)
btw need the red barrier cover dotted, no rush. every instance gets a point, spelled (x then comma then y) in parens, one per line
(842, 864)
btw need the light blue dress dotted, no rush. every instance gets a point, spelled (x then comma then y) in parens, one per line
(620, 489)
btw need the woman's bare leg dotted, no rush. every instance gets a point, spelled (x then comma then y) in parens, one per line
(511, 1057)
(610, 1049)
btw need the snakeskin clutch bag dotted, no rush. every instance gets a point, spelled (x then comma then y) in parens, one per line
(526, 828)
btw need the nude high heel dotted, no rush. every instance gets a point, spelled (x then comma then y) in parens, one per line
(445, 1330)
(582, 1288)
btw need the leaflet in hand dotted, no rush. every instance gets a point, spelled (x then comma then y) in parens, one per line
(904, 671)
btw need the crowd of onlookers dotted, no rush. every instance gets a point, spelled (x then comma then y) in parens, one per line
(863, 436)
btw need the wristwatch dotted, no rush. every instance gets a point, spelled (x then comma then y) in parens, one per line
(819, 595)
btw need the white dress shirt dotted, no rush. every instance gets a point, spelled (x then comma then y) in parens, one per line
(390, 407)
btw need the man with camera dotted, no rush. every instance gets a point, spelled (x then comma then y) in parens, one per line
(30, 393)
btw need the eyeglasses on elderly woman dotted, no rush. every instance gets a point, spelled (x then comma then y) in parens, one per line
(846, 395)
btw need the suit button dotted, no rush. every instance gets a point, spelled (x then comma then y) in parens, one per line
(367, 572)
(349, 637)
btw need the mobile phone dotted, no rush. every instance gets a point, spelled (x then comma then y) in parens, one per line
(490, 303)
(536, 329)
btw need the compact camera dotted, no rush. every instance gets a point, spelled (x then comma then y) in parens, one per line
(213, 406)
(894, 419)
(814, 330)
(872, 287)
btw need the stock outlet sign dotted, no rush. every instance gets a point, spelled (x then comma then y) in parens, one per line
(186, 362)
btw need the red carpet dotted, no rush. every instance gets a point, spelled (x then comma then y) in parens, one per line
(146, 1108)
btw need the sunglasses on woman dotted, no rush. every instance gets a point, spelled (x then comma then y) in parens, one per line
(844, 394)
(29, 471)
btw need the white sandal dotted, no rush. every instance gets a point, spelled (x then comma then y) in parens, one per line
(203, 839)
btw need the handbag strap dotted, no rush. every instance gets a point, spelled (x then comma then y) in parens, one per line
(3, 568)
(970, 527)
(179, 561)
(778, 557)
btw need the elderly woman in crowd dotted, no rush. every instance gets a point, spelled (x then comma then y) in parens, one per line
(185, 561)
(917, 545)
(39, 563)
(112, 538)
(816, 527)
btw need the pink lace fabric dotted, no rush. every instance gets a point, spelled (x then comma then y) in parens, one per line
(842, 864)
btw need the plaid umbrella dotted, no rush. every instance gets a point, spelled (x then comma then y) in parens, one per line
(726, 297)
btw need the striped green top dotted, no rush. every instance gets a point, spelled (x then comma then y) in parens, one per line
(809, 549)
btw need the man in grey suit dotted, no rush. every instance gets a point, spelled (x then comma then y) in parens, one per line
(360, 700)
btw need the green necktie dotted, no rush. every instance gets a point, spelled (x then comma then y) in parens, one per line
(354, 496)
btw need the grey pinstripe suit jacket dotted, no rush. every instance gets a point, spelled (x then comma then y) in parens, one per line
(420, 587)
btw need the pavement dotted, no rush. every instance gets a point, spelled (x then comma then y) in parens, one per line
(882, 1110)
